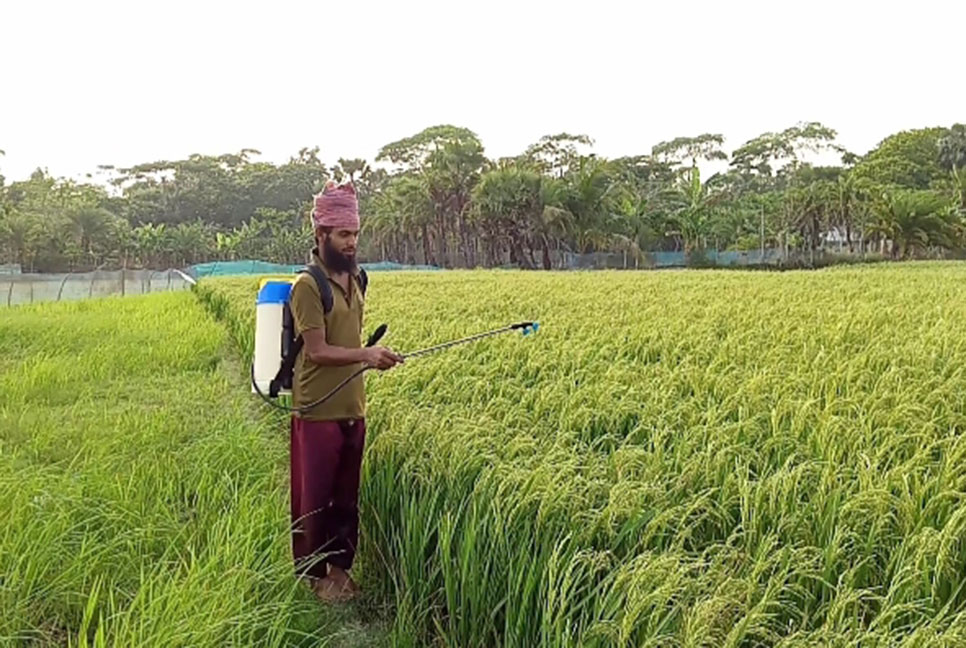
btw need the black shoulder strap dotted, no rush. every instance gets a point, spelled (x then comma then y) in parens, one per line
(288, 362)
(325, 290)
(363, 280)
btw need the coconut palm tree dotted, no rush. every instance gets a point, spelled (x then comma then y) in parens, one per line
(406, 212)
(692, 207)
(92, 226)
(508, 204)
(915, 221)
(18, 234)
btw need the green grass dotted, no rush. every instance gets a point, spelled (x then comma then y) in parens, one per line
(676, 459)
(144, 499)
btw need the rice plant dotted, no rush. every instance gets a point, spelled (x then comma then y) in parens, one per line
(677, 459)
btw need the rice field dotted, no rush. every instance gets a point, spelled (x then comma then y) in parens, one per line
(702, 458)
(699, 458)
(143, 498)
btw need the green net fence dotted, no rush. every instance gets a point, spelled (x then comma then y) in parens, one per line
(250, 267)
(28, 288)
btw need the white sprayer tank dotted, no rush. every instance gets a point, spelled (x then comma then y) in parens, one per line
(273, 294)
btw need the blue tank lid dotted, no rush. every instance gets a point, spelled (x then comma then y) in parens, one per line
(274, 292)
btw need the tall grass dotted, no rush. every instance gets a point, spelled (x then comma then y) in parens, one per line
(676, 459)
(143, 499)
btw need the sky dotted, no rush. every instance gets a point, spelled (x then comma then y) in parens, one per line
(119, 83)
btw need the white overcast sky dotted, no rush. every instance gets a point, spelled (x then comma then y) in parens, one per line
(89, 83)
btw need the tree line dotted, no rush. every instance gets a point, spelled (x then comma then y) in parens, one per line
(436, 198)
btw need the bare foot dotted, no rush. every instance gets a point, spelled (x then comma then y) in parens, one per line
(331, 591)
(342, 579)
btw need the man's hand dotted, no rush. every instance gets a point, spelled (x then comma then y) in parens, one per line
(381, 358)
(321, 353)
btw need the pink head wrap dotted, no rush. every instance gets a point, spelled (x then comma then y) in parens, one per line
(336, 207)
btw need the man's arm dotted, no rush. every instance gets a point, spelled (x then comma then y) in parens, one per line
(320, 352)
(310, 320)
(317, 350)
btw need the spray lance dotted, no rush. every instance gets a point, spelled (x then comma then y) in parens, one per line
(526, 328)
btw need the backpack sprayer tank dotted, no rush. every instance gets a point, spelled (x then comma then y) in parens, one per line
(274, 331)
(276, 345)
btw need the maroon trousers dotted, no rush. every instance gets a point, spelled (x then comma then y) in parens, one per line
(326, 457)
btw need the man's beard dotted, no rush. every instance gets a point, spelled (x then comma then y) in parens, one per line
(337, 261)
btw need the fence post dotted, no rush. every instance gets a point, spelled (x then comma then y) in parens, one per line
(762, 235)
(122, 280)
(62, 282)
(10, 293)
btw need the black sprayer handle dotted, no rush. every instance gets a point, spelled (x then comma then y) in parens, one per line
(377, 335)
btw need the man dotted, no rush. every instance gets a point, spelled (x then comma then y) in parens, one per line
(327, 441)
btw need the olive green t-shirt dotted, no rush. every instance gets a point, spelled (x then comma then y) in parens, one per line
(342, 327)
